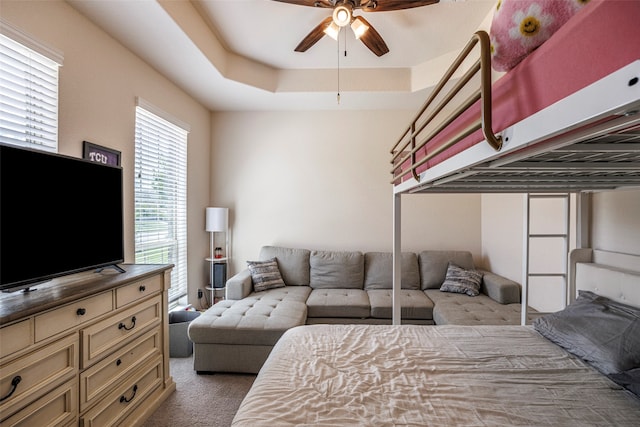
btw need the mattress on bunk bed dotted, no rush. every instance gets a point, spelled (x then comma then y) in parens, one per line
(600, 39)
(387, 375)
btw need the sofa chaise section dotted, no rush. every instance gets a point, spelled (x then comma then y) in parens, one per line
(237, 336)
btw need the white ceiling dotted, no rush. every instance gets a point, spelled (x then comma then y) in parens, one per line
(238, 54)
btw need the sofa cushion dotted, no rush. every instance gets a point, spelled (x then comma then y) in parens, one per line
(462, 281)
(434, 264)
(287, 293)
(378, 270)
(265, 275)
(461, 309)
(293, 263)
(346, 303)
(414, 304)
(336, 270)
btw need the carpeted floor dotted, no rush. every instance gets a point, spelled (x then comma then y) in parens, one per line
(200, 400)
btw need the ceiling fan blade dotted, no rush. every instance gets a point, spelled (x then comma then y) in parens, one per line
(373, 40)
(312, 38)
(387, 5)
(312, 3)
(366, 5)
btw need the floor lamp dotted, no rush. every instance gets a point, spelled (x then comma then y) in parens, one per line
(217, 221)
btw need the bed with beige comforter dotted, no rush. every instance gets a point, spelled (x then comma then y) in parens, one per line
(383, 375)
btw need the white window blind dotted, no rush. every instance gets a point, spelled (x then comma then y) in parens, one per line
(28, 93)
(161, 196)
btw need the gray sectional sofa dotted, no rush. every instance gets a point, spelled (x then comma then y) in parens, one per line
(237, 334)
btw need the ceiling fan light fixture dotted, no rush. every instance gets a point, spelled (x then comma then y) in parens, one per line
(359, 27)
(342, 16)
(332, 30)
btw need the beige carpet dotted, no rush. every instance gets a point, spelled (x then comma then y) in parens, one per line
(200, 400)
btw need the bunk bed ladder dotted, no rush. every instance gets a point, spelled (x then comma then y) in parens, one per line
(530, 236)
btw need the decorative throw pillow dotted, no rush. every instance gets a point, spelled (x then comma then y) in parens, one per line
(520, 26)
(462, 281)
(600, 331)
(265, 275)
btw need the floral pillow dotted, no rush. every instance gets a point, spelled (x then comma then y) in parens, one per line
(520, 26)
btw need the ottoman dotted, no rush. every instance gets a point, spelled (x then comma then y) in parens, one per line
(238, 335)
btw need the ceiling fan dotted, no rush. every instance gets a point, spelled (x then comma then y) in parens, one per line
(343, 15)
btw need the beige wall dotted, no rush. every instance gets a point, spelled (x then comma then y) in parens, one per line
(320, 180)
(503, 218)
(99, 83)
(614, 226)
(615, 222)
(502, 234)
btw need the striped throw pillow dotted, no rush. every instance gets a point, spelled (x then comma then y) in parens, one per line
(265, 275)
(459, 280)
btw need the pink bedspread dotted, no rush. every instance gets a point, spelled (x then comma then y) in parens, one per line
(599, 39)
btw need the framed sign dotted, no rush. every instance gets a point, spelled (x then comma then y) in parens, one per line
(99, 154)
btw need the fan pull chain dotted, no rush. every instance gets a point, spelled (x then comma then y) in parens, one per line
(338, 44)
(345, 44)
(345, 54)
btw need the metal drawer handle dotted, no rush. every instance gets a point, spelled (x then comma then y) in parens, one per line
(14, 385)
(125, 400)
(143, 288)
(133, 324)
(81, 311)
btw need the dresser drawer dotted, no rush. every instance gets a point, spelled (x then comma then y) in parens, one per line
(29, 377)
(116, 406)
(57, 408)
(16, 337)
(138, 290)
(72, 315)
(105, 375)
(104, 337)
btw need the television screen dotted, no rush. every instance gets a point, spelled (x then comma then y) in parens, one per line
(58, 215)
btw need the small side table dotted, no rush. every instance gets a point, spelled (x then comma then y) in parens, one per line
(217, 278)
(217, 294)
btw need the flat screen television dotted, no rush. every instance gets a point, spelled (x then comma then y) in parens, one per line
(58, 215)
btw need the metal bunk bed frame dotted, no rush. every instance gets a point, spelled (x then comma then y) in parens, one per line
(588, 141)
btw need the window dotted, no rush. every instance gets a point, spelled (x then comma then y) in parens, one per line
(161, 194)
(28, 91)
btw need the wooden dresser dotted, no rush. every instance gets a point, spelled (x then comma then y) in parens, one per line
(89, 349)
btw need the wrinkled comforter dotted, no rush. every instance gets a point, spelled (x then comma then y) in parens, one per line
(374, 375)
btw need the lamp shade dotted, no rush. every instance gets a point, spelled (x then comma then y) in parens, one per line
(217, 219)
(332, 30)
(359, 27)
